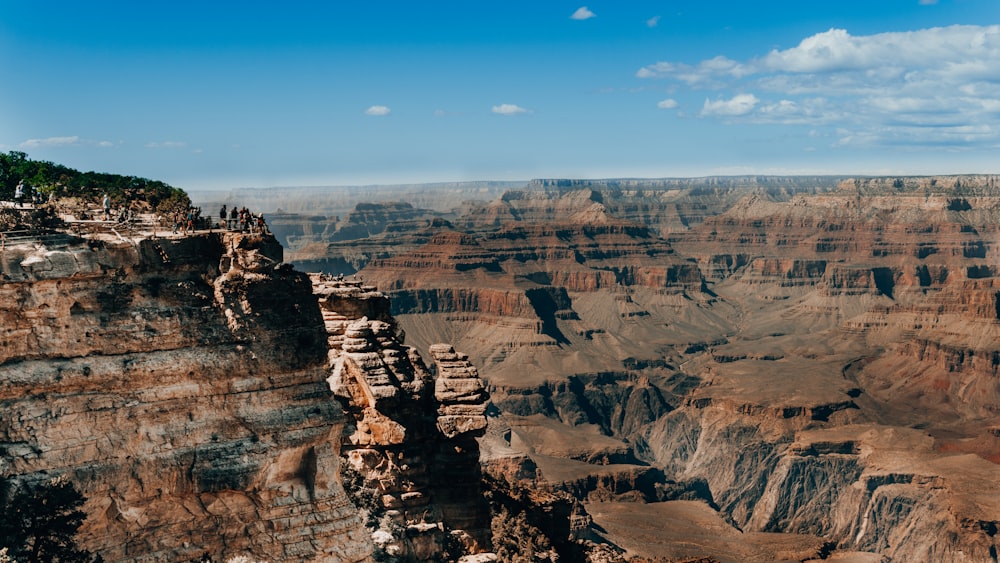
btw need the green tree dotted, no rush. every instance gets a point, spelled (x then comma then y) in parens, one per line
(12, 166)
(49, 177)
(515, 540)
(38, 522)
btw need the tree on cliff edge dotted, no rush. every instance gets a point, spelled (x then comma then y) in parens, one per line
(62, 181)
(38, 523)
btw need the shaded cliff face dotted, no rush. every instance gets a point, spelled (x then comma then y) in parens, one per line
(179, 383)
(819, 364)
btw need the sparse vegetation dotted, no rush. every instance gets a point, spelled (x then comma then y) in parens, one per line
(530, 525)
(364, 496)
(515, 540)
(64, 182)
(526, 528)
(38, 522)
(367, 498)
(388, 534)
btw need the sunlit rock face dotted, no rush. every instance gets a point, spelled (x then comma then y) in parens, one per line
(411, 432)
(180, 385)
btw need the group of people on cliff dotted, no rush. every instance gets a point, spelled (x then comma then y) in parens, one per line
(24, 193)
(187, 220)
(241, 219)
(124, 214)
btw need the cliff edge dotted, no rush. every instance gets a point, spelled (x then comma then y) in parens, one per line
(180, 384)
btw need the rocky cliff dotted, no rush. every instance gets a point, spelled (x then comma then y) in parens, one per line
(180, 384)
(411, 433)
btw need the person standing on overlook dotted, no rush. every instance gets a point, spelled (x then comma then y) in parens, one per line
(19, 193)
(106, 203)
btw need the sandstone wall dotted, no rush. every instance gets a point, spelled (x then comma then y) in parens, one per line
(179, 384)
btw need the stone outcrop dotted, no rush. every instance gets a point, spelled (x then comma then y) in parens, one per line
(179, 384)
(412, 434)
(461, 418)
(459, 393)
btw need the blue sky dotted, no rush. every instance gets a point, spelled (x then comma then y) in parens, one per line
(226, 94)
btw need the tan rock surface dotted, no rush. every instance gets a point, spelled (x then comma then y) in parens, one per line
(410, 434)
(690, 529)
(179, 384)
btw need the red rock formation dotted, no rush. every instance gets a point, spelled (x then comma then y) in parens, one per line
(412, 436)
(178, 383)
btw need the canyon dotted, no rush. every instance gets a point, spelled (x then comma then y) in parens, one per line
(718, 369)
(806, 366)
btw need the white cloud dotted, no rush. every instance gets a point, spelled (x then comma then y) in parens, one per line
(658, 70)
(669, 103)
(969, 52)
(741, 104)
(828, 51)
(705, 74)
(893, 104)
(805, 111)
(378, 110)
(166, 145)
(582, 13)
(927, 2)
(49, 142)
(780, 109)
(105, 144)
(653, 21)
(939, 84)
(508, 109)
(954, 52)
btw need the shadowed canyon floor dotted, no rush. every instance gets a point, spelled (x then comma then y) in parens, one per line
(752, 370)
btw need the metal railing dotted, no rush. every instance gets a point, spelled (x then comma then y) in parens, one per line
(39, 236)
(130, 231)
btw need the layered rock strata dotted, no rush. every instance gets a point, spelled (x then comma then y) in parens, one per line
(412, 435)
(310, 238)
(462, 401)
(179, 384)
(819, 330)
